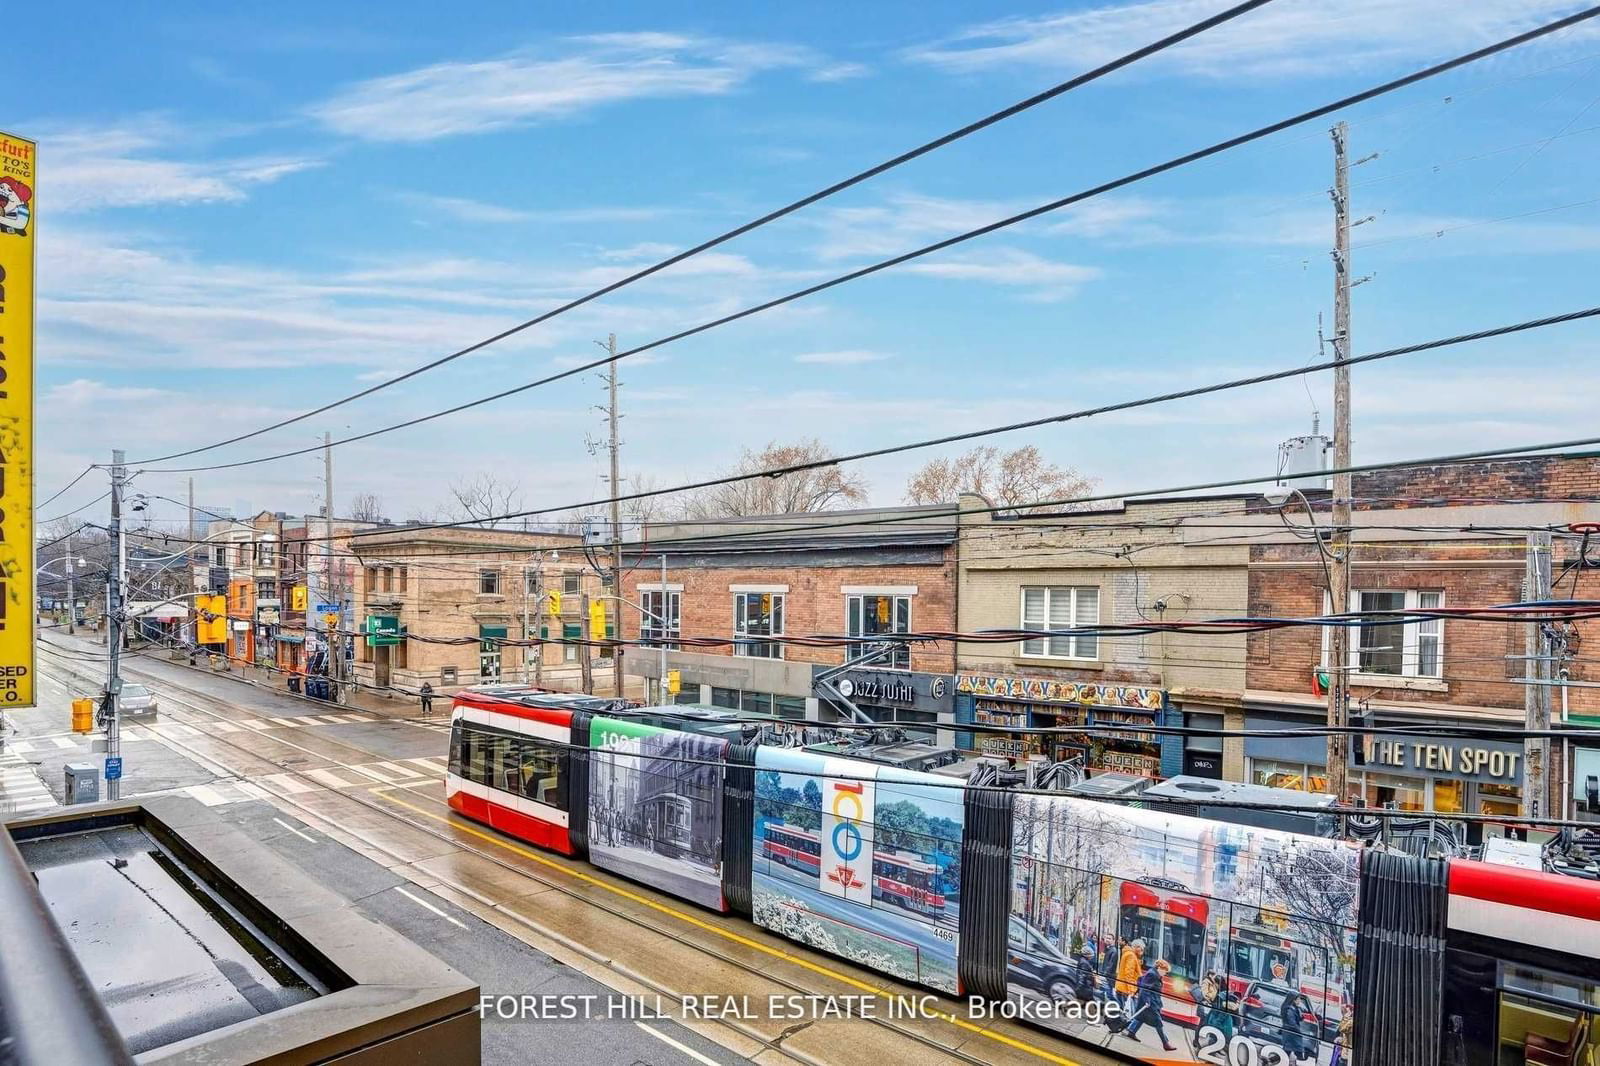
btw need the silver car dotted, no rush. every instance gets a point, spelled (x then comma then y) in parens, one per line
(136, 701)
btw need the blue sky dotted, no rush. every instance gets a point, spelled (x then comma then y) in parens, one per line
(243, 214)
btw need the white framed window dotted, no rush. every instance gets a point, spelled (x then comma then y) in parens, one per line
(571, 584)
(758, 614)
(488, 582)
(1401, 649)
(869, 615)
(660, 621)
(1046, 607)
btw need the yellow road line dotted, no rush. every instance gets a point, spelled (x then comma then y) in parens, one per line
(700, 923)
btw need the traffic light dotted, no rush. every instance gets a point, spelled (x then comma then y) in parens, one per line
(297, 598)
(597, 619)
(555, 602)
(674, 682)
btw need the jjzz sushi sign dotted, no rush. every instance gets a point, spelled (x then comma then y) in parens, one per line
(847, 838)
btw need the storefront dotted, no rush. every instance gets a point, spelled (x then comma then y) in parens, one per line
(1041, 703)
(921, 701)
(1411, 772)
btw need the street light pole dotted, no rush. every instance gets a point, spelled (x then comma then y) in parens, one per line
(72, 597)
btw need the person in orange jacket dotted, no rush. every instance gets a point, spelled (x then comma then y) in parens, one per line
(1129, 966)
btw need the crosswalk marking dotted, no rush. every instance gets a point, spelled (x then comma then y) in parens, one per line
(397, 770)
(225, 727)
(436, 763)
(286, 723)
(174, 730)
(289, 784)
(21, 790)
(64, 742)
(252, 790)
(376, 775)
(331, 779)
(21, 747)
(256, 723)
(206, 794)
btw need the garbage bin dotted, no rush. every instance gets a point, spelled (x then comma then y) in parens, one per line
(83, 782)
(317, 688)
(294, 683)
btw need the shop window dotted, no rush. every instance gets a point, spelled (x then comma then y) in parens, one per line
(1392, 792)
(1300, 776)
(871, 615)
(758, 614)
(725, 697)
(789, 706)
(755, 702)
(688, 692)
(1499, 799)
(1450, 797)
(1061, 607)
(660, 619)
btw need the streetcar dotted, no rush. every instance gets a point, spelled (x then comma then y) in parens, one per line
(1446, 961)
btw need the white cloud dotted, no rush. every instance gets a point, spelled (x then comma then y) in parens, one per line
(839, 72)
(462, 209)
(1047, 278)
(133, 165)
(1288, 38)
(452, 98)
(845, 357)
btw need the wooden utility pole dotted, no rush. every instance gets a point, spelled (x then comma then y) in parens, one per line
(1536, 799)
(1339, 541)
(335, 638)
(616, 511)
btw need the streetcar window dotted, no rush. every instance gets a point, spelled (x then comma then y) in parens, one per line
(1548, 1017)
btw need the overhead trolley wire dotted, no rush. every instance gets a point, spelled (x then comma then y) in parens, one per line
(937, 246)
(772, 216)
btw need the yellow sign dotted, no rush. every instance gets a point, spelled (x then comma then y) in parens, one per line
(332, 619)
(674, 682)
(211, 619)
(297, 598)
(18, 180)
(597, 619)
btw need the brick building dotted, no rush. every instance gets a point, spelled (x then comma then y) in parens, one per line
(477, 583)
(1148, 560)
(739, 579)
(1428, 537)
(304, 562)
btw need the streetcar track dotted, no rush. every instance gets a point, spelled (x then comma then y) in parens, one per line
(386, 809)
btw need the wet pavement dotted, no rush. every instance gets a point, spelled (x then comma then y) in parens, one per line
(355, 798)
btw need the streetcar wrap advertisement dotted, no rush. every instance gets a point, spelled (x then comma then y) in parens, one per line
(655, 807)
(860, 861)
(18, 182)
(1212, 943)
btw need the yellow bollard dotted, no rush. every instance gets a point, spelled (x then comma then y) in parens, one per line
(83, 716)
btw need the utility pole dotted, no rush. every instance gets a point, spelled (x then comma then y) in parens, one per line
(661, 621)
(335, 639)
(1339, 542)
(616, 509)
(119, 576)
(538, 600)
(585, 652)
(1536, 692)
(191, 587)
(72, 597)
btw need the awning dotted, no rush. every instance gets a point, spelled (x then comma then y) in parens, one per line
(161, 612)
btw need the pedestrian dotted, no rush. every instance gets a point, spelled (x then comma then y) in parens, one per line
(1083, 980)
(1147, 1004)
(426, 692)
(1108, 968)
(1342, 1041)
(1214, 1005)
(1129, 965)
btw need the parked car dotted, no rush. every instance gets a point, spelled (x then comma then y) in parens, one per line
(1036, 963)
(1267, 1012)
(136, 701)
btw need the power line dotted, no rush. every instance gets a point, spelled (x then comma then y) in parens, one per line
(83, 473)
(937, 246)
(772, 216)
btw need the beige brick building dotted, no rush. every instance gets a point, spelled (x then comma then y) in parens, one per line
(1146, 561)
(480, 584)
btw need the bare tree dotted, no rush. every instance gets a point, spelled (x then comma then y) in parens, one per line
(1014, 480)
(366, 507)
(484, 497)
(647, 508)
(821, 488)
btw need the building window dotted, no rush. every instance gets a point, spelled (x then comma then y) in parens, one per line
(571, 584)
(388, 579)
(571, 632)
(871, 615)
(530, 580)
(266, 590)
(660, 620)
(264, 554)
(1296, 775)
(369, 579)
(758, 614)
(402, 579)
(1414, 649)
(489, 582)
(222, 554)
(1061, 607)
